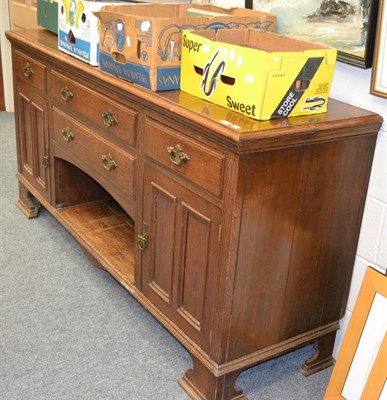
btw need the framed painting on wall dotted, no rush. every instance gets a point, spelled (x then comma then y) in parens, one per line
(360, 371)
(347, 25)
(379, 70)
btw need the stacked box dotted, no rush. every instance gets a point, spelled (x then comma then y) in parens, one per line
(259, 74)
(142, 43)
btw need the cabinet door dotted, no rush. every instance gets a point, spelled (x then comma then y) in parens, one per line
(32, 135)
(180, 260)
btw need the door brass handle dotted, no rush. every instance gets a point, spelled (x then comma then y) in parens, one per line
(108, 162)
(66, 93)
(142, 239)
(27, 70)
(68, 136)
(46, 160)
(109, 119)
(177, 155)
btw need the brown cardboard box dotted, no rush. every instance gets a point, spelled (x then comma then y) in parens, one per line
(142, 43)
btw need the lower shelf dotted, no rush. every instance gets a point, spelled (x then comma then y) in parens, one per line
(106, 231)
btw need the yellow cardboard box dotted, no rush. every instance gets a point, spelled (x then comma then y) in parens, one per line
(259, 74)
(142, 43)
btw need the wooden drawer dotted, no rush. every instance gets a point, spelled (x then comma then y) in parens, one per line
(203, 166)
(30, 70)
(116, 122)
(91, 149)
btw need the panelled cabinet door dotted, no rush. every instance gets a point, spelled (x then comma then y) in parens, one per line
(32, 137)
(180, 255)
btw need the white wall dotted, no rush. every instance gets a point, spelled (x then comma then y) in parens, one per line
(352, 85)
(6, 56)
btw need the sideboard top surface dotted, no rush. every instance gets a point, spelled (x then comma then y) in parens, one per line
(241, 132)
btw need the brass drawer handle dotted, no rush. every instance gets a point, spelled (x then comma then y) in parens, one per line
(68, 136)
(66, 93)
(108, 162)
(27, 70)
(177, 155)
(109, 119)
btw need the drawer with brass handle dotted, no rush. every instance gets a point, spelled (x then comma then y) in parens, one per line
(30, 70)
(66, 94)
(200, 164)
(177, 155)
(67, 134)
(114, 121)
(108, 162)
(112, 166)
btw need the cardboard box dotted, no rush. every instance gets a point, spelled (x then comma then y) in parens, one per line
(48, 15)
(78, 32)
(163, 1)
(142, 43)
(259, 74)
(239, 122)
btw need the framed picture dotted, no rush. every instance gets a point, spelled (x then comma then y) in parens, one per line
(347, 25)
(379, 70)
(360, 371)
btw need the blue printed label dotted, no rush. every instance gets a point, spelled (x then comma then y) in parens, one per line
(81, 48)
(132, 72)
(168, 78)
(120, 35)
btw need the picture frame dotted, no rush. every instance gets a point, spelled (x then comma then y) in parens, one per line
(360, 371)
(347, 25)
(379, 70)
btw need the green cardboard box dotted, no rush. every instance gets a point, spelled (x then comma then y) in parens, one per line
(48, 15)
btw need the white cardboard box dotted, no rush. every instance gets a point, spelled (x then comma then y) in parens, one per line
(78, 32)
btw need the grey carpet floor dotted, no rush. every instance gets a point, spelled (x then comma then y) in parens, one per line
(68, 330)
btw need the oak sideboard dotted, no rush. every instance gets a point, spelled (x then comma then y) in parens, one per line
(238, 235)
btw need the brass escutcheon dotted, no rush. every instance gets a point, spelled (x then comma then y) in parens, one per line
(45, 160)
(66, 93)
(68, 136)
(27, 70)
(108, 162)
(109, 119)
(177, 155)
(143, 238)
